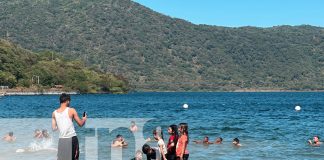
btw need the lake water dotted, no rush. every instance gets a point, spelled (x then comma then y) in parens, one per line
(266, 123)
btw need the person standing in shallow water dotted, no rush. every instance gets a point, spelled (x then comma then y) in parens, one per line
(62, 120)
(173, 139)
(181, 149)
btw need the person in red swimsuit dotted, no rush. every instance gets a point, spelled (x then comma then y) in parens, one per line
(173, 139)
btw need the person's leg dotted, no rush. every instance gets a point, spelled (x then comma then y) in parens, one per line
(75, 148)
(64, 151)
(171, 157)
(186, 157)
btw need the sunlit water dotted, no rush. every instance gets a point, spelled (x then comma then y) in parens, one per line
(266, 123)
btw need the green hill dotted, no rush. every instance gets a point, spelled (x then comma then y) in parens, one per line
(157, 52)
(20, 68)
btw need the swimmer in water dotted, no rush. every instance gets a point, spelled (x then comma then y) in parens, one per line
(133, 127)
(9, 137)
(316, 142)
(219, 140)
(45, 134)
(38, 134)
(236, 142)
(119, 141)
(205, 141)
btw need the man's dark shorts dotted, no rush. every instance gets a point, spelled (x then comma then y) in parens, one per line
(68, 148)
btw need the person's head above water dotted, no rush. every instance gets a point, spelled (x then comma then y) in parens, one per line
(45, 133)
(236, 141)
(65, 98)
(219, 140)
(206, 139)
(316, 139)
(119, 137)
(10, 134)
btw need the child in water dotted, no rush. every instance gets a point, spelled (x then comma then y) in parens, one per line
(181, 149)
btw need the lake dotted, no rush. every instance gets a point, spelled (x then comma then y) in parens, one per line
(266, 123)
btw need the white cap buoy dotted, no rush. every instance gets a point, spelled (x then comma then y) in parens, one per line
(185, 106)
(297, 108)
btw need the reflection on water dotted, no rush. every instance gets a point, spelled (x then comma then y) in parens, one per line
(266, 123)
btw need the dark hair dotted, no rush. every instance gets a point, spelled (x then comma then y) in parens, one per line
(118, 136)
(64, 97)
(10, 134)
(184, 128)
(45, 133)
(236, 140)
(221, 138)
(146, 148)
(174, 129)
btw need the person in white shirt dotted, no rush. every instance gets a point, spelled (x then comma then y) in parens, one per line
(62, 120)
(157, 134)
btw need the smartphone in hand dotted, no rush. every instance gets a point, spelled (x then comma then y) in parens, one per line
(84, 114)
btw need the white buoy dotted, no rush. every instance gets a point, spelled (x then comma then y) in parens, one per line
(185, 106)
(297, 108)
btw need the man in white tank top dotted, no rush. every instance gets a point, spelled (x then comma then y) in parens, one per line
(62, 120)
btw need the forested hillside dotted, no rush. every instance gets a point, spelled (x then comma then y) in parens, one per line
(22, 68)
(157, 52)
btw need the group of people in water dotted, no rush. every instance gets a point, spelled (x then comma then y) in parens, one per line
(174, 149)
(38, 134)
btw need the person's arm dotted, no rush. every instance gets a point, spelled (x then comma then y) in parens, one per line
(161, 150)
(75, 116)
(171, 144)
(54, 125)
(183, 149)
(124, 143)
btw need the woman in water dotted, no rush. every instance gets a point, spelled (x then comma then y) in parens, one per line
(173, 139)
(158, 136)
(181, 149)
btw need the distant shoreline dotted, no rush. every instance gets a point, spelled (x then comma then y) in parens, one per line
(35, 93)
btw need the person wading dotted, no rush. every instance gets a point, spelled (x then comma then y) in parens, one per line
(62, 120)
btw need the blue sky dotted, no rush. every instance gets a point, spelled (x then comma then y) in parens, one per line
(236, 13)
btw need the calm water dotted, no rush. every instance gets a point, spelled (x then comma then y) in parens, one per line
(266, 123)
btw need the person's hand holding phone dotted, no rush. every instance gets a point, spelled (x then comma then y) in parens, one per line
(84, 116)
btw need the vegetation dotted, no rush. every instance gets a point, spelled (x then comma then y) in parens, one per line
(21, 68)
(157, 52)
